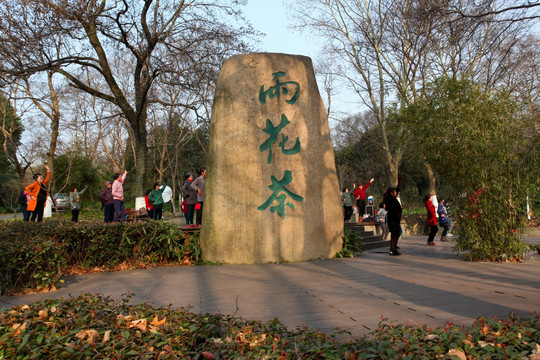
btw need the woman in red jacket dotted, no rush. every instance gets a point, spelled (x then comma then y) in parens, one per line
(38, 195)
(431, 219)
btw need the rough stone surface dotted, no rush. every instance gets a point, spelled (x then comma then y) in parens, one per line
(239, 225)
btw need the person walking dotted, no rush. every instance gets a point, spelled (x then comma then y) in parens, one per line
(443, 219)
(198, 185)
(156, 196)
(75, 202)
(393, 217)
(118, 197)
(108, 203)
(431, 219)
(38, 195)
(190, 197)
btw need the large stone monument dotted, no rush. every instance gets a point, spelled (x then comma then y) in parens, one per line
(272, 192)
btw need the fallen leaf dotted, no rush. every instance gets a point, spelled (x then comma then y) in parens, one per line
(90, 335)
(141, 324)
(484, 344)
(256, 340)
(106, 336)
(127, 318)
(157, 322)
(25, 307)
(53, 309)
(153, 328)
(458, 353)
(432, 337)
(18, 328)
(208, 355)
(43, 314)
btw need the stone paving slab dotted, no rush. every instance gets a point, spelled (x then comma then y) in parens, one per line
(425, 286)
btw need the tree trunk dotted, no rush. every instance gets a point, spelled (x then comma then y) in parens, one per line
(55, 126)
(140, 163)
(432, 180)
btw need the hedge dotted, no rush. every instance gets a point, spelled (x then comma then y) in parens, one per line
(35, 256)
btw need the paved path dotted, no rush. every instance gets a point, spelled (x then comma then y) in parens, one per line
(426, 285)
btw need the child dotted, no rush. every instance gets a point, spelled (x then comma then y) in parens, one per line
(381, 219)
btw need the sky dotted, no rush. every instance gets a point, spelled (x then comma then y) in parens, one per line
(273, 18)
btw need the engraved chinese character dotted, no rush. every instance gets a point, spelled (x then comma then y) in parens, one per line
(279, 187)
(273, 131)
(280, 88)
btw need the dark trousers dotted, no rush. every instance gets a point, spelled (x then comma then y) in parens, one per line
(348, 212)
(38, 211)
(119, 211)
(25, 213)
(108, 213)
(189, 215)
(75, 215)
(199, 214)
(432, 233)
(445, 228)
(361, 205)
(158, 212)
(394, 237)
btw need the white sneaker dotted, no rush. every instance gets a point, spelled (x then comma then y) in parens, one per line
(449, 235)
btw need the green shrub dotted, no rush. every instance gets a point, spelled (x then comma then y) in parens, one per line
(96, 327)
(352, 244)
(33, 256)
(486, 154)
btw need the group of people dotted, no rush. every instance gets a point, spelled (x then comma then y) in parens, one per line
(34, 197)
(359, 194)
(388, 215)
(112, 199)
(444, 219)
(193, 190)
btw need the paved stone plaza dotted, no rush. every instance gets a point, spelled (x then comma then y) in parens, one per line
(426, 285)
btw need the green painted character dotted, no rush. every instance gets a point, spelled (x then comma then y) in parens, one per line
(279, 88)
(277, 187)
(273, 131)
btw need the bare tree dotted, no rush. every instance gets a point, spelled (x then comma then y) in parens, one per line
(388, 50)
(379, 48)
(177, 42)
(11, 130)
(506, 11)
